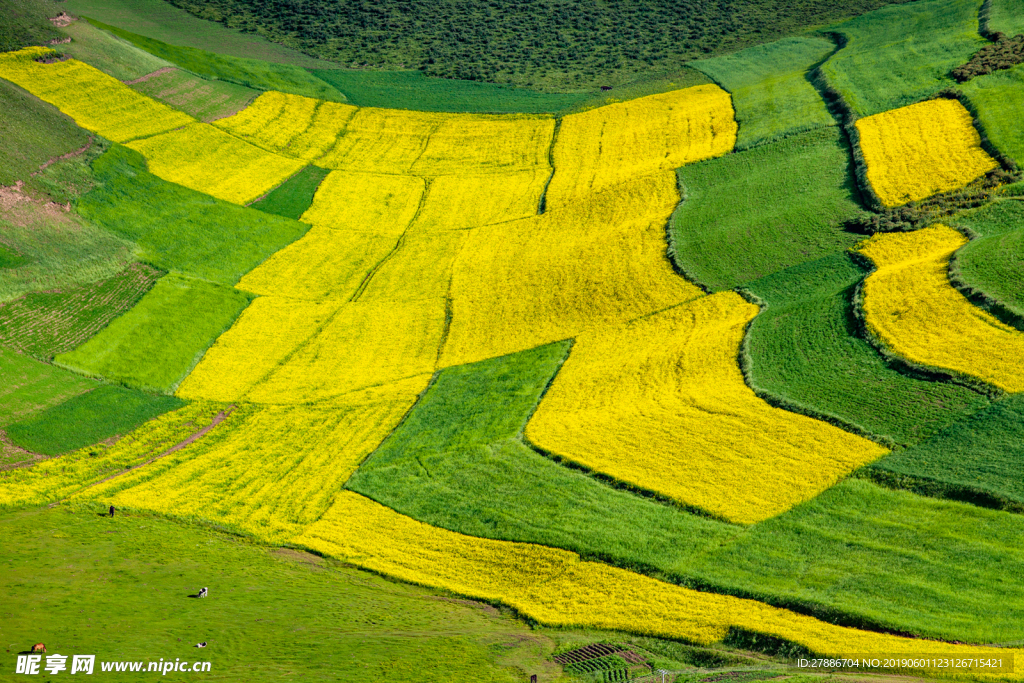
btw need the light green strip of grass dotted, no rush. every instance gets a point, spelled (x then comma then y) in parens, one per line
(155, 344)
(993, 262)
(30, 386)
(89, 418)
(770, 90)
(292, 197)
(804, 350)
(902, 53)
(109, 54)
(749, 214)
(180, 229)
(999, 100)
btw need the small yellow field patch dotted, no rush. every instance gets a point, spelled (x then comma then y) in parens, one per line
(205, 158)
(661, 403)
(920, 150)
(457, 202)
(478, 143)
(419, 269)
(96, 101)
(381, 204)
(382, 140)
(911, 306)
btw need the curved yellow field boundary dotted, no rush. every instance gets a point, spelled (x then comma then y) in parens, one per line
(911, 306)
(661, 403)
(920, 150)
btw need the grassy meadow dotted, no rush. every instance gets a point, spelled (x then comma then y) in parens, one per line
(1006, 16)
(204, 99)
(109, 54)
(993, 262)
(30, 385)
(749, 214)
(998, 98)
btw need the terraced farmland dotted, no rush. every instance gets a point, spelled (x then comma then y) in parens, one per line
(634, 368)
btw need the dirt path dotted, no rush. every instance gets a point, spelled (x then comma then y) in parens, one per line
(62, 157)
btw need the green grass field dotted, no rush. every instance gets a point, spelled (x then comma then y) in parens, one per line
(292, 197)
(45, 324)
(1006, 16)
(204, 99)
(155, 344)
(982, 453)
(25, 22)
(900, 54)
(999, 99)
(252, 73)
(804, 351)
(109, 54)
(179, 229)
(88, 418)
(770, 90)
(30, 386)
(749, 214)
(994, 262)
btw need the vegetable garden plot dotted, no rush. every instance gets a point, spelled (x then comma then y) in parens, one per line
(911, 306)
(96, 101)
(920, 150)
(661, 404)
(618, 143)
(202, 157)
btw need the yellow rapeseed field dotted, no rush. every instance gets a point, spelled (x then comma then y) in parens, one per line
(520, 284)
(207, 159)
(920, 150)
(557, 588)
(381, 204)
(419, 270)
(480, 143)
(911, 306)
(96, 101)
(457, 202)
(661, 403)
(606, 146)
(382, 140)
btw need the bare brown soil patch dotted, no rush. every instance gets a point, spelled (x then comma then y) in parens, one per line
(22, 210)
(13, 457)
(62, 20)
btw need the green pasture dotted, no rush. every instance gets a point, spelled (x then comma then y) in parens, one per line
(109, 54)
(30, 386)
(749, 214)
(155, 344)
(26, 22)
(292, 197)
(981, 453)
(44, 324)
(993, 263)
(770, 88)
(1006, 16)
(119, 588)
(999, 100)
(179, 229)
(804, 351)
(252, 73)
(204, 99)
(902, 53)
(106, 411)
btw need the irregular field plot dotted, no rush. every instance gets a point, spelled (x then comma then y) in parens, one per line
(769, 87)
(755, 212)
(198, 97)
(294, 196)
(993, 262)
(911, 306)
(30, 386)
(661, 404)
(203, 158)
(381, 204)
(96, 101)
(155, 344)
(920, 150)
(603, 147)
(804, 349)
(290, 124)
(48, 323)
(999, 99)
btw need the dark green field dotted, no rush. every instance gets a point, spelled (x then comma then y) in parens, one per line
(805, 351)
(292, 197)
(749, 214)
(993, 263)
(180, 229)
(86, 419)
(25, 23)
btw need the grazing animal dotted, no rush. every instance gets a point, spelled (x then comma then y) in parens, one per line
(38, 647)
(202, 644)
(111, 510)
(202, 592)
(605, 88)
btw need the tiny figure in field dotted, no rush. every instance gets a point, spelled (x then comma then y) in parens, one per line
(38, 647)
(202, 644)
(111, 510)
(202, 592)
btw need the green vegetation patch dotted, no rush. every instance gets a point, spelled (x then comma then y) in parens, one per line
(457, 462)
(992, 264)
(45, 324)
(750, 214)
(155, 344)
(414, 90)
(204, 99)
(1006, 16)
(89, 418)
(998, 99)
(180, 229)
(26, 22)
(982, 453)
(252, 73)
(30, 386)
(109, 54)
(770, 90)
(804, 352)
(900, 54)
(292, 197)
